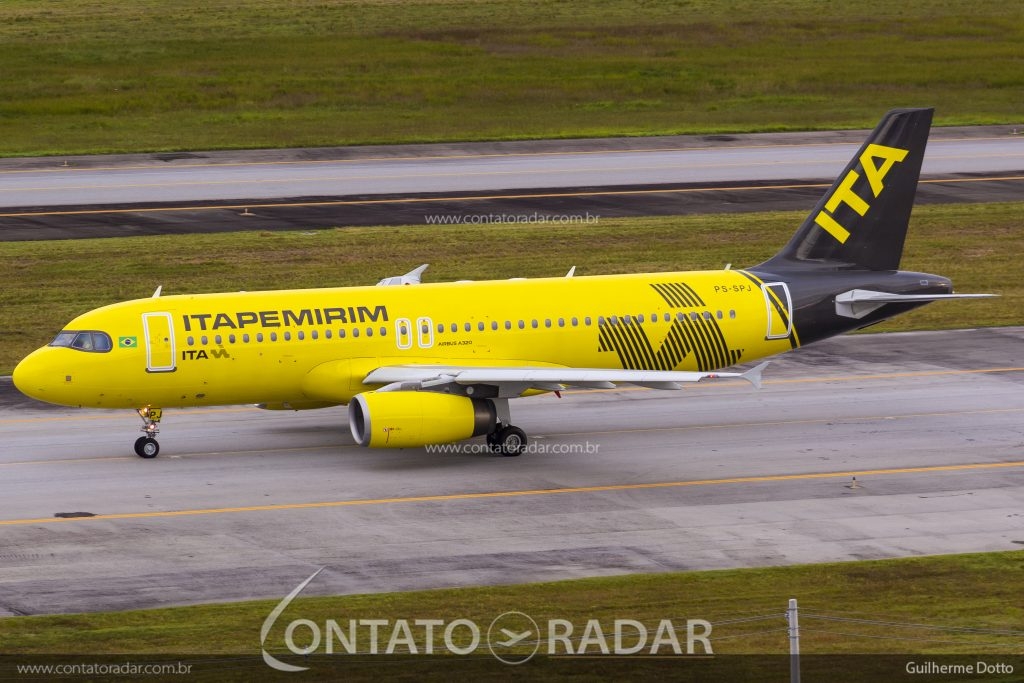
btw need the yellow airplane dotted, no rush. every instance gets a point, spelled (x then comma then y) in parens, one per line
(436, 363)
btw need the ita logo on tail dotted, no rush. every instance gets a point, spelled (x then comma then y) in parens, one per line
(846, 194)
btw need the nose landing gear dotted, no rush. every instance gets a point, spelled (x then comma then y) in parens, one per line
(146, 446)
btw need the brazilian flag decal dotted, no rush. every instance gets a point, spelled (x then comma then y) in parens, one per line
(127, 342)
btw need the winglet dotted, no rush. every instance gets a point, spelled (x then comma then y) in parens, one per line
(753, 375)
(411, 278)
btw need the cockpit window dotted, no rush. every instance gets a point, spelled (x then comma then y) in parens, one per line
(98, 342)
(63, 339)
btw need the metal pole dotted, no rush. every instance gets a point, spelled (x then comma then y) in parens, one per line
(794, 642)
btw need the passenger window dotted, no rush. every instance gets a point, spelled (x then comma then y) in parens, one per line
(508, 324)
(273, 337)
(668, 318)
(455, 327)
(191, 341)
(480, 326)
(586, 321)
(259, 336)
(383, 331)
(720, 316)
(732, 314)
(494, 325)
(707, 315)
(522, 325)
(204, 340)
(533, 324)
(355, 332)
(547, 322)
(561, 322)
(327, 334)
(231, 338)
(369, 331)
(217, 340)
(314, 335)
(245, 339)
(341, 334)
(440, 328)
(575, 322)
(600, 320)
(467, 327)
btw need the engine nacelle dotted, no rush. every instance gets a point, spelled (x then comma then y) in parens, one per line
(410, 419)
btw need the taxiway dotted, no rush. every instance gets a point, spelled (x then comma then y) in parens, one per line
(245, 504)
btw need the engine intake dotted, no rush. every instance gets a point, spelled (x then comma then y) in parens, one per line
(410, 419)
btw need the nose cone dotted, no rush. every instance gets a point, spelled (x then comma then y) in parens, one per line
(35, 377)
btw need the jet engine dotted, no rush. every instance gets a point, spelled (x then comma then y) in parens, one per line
(409, 419)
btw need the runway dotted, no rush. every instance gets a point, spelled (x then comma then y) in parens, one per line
(414, 184)
(246, 504)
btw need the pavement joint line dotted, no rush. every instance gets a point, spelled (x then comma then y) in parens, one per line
(646, 430)
(521, 493)
(119, 413)
(262, 204)
(819, 420)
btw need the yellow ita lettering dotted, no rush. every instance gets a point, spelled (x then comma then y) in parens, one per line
(845, 193)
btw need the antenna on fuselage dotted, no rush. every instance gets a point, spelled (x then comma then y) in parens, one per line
(156, 294)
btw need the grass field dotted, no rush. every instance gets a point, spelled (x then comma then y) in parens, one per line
(99, 75)
(958, 604)
(979, 246)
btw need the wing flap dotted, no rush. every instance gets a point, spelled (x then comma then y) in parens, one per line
(409, 377)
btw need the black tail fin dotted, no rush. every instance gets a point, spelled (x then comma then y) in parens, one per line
(861, 221)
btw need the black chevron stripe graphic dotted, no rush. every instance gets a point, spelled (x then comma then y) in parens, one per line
(697, 335)
(678, 294)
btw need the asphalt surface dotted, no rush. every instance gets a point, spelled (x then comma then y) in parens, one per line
(124, 195)
(246, 504)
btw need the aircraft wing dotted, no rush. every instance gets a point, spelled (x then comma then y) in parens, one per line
(512, 381)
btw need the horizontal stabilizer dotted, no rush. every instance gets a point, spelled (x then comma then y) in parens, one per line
(857, 303)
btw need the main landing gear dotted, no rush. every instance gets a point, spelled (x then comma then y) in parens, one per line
(146, 446)
(507, 440)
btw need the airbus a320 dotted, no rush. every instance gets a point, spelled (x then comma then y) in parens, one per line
(423, 364)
